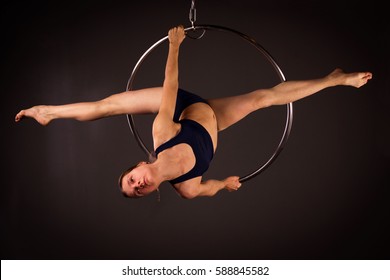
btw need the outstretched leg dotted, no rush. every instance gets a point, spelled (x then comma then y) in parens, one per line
(230, 110)
(141, 101)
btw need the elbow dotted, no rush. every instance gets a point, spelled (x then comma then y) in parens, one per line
(189, 193)
(171, 84)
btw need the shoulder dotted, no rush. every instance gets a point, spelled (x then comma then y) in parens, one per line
(164, 131)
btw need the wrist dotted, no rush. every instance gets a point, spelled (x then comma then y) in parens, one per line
(174, 46)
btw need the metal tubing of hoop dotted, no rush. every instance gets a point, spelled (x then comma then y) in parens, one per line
(261, 49)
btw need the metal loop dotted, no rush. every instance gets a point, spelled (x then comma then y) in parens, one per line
(193, 30)
(289, 107)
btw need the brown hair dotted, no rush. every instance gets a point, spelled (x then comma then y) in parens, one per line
(124, 173)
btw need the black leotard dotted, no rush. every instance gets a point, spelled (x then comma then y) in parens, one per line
(193, 134)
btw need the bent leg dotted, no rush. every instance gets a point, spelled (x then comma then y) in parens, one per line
(141, 101)
(230, 110)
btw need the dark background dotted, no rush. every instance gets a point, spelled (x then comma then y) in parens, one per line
(325, 197)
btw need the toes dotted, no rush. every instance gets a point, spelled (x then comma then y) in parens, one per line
(19, 116)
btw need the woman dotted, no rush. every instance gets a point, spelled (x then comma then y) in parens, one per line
(185, 130)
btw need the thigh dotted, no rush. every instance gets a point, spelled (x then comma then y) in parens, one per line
(232, 109)
(142, 101)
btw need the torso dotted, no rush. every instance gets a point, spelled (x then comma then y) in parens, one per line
(204, 115)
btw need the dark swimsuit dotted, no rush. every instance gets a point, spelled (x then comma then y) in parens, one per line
(193, 134)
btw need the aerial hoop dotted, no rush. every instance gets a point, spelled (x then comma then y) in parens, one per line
(204, 28)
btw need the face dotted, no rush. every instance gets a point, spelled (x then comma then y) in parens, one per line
(138, 182)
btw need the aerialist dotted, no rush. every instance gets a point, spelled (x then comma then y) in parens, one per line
(185, 129)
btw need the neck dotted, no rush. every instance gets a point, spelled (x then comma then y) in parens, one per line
(166, 168)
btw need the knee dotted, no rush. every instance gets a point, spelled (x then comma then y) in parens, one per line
(262, 99)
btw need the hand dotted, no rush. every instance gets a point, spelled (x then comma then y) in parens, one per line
(176, 35)
(232, 183)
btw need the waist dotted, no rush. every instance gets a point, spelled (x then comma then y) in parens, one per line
(201, 113)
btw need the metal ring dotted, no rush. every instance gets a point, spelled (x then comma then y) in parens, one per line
(289, 118)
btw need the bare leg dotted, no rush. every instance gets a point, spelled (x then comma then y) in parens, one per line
(230, 110)
(134, 102)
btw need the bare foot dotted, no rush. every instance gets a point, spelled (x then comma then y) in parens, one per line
(355, 79)
(39, 113)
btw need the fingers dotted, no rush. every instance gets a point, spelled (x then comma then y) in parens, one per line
(178, 28)
(233, 183)
(178, 31)
(176, 34)
(237, 184)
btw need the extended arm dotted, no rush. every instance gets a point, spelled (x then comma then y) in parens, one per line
(163, 125)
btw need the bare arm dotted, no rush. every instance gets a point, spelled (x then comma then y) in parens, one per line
(163, 125)
(195, 188)
(171, 81)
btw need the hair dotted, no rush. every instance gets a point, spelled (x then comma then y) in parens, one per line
(124, 173)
